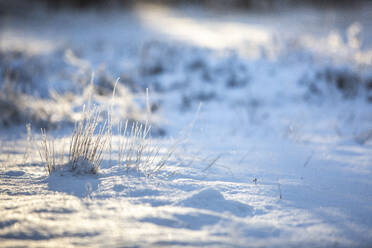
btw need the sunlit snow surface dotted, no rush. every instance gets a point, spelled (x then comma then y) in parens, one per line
(274, 157)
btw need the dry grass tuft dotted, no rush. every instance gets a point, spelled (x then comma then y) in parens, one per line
(88, 140)
(91, 138)
(47, 152)
(87, 144)
(136, 149)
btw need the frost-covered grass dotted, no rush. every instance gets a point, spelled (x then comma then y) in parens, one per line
(136, 148)
(91, 138)
(88, 142)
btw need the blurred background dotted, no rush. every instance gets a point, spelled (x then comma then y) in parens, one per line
(49, 51)
(207, 3)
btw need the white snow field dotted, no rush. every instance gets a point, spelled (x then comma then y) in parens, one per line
(267, 118)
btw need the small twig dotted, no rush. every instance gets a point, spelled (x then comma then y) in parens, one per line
(280, 191)
(212, 163)
(309, 159)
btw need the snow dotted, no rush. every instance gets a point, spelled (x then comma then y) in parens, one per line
(277, 155)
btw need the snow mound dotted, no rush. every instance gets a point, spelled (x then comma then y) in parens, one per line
(211, 199)
(81, 167)
(79, 181)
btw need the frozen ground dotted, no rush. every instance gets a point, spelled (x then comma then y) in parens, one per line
(278, 154)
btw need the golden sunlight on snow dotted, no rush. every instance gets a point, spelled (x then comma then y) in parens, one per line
(206, 33)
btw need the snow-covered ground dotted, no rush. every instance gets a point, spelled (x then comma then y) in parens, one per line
(269, 113)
